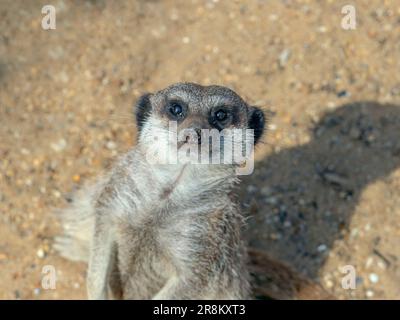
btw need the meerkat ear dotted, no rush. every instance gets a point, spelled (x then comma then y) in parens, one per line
(256, 122)
(142, 110)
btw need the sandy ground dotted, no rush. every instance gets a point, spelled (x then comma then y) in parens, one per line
(326, 189)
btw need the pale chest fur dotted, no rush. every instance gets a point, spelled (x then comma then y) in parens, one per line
(167, 226)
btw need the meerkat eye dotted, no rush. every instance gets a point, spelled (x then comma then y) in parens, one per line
(221, 115)
(176, 109)
(220, 118)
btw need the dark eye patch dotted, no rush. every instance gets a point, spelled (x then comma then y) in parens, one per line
(256, 121)
(142, 110)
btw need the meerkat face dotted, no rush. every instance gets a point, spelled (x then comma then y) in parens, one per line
(194, 115)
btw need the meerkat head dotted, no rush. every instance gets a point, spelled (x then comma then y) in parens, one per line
(192, 114)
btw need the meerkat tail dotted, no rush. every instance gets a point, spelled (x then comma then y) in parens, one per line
(273, 279)
(78, 226)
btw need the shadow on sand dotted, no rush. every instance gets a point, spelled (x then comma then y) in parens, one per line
(304, 196)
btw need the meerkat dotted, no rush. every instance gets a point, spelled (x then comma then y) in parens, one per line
(165, 231)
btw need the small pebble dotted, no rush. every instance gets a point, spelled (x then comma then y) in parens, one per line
(343, 94)
(271, 200)
(287, 224)
(275, 236)
(266, 191)
(284, 57)
(272, 127)
(186, 40)
(25, 151)
(111, 145)
(57, 193)
(322, 248)
(104, 81)
(40, 253)
(369, 262)
(354, 232)
(59, 146)
(273, 17)
(381, 265)
(373, 277)
(328, 284)
(369, 293)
